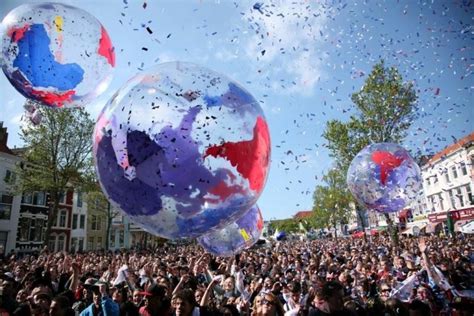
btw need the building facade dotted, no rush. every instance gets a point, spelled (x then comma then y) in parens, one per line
(448, 181)
(119, 236)
(448, 185)
(9, 201)
(78, 223)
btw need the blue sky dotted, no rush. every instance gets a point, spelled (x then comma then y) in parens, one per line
(302, 60)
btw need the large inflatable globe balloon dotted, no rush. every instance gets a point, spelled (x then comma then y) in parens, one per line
(384, 177)
(236, 236)
(182, 150)
(56, 54)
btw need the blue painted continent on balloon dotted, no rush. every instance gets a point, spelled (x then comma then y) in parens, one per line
(37, 63)
(163, 168)
(235, 96)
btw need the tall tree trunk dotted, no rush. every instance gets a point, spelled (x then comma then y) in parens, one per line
(109, 224)
(53, 213)
(361, 218)
(335, 230)
(392, 231)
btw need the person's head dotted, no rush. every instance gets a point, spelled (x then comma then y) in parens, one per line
(229, 284)
(41, 298)
(154, 296)
(267, 304)
(184, 302)
(198, 295)
(21, 296)
(319, 301)
(333, 293)
(137, 297)
(418, 308)
(395, 307)
(60, 306)
(384, 292)
(118, 295)
(229, 310)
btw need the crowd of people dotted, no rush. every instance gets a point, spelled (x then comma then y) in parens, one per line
(420, 276)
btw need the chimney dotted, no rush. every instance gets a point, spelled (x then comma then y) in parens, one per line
(3, 140)
(3, 135)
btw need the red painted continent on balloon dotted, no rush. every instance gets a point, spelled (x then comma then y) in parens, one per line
(387, 162)
(54, 99)
(105, 47)
(249, 157)
(17, 33)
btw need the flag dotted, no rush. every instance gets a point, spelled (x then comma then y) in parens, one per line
(403, 292)
(122, 274)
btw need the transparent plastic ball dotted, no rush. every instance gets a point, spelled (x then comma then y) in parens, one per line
(182, 150)
(56, 54)
(384, 177)
(235, 237)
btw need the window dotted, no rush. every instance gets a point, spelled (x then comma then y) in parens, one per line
(459, 196)
(121, 238)
(38, 198)
(74, 221)
(79, 199)
(90, 243)
(446, 176)
(440, 199)
(463, 168)
(10, 177)
(435, 178)
(6, 202)
(52, 242)
(81, 244)
(74, 244)
(24, 224)
(93, 222)
(62, 197)
(26, 198)
(454, 171)
(3, 240)
(469, 196)
(62, 218)
(35, 198)
(112, 238)
(428, 181)
(99, 243)
(61, 243)
(40, 225)
(451, 197)
(82, 222)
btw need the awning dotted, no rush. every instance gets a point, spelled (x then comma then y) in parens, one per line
(468, 228)
(458, 224)
(415, 229)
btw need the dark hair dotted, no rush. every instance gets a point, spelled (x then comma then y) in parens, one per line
(331, 288)
(420, 307)
(186, 295)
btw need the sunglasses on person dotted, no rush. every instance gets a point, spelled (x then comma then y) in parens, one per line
(386, 290)
(267, 302)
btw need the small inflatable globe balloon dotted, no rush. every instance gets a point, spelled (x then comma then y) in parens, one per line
(182, 150)
(235, 237)
(56, 54)
(384, 177)
(280, 236)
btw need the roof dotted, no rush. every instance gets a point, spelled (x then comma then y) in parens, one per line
(302, 214)
(452, 148)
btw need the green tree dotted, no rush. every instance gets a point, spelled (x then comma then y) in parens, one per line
(331, 201)
(386, 107)
(57, 152)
